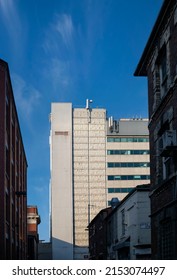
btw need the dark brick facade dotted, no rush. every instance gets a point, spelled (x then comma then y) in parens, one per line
(98, 236)
(159, 64)
(13, 173)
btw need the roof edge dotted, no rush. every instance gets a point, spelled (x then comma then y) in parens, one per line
(141, 67)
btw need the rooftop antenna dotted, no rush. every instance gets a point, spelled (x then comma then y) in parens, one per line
(88, 102)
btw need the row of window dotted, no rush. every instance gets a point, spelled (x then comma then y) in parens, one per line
(127, 139)
(128, 152)
(119, 190)
(127, 164)
(128, 177)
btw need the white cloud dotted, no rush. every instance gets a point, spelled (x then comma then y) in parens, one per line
(59, 73)
(59, 33)
(59, 47)
(10, 17)
(64, 26)
(26, 96)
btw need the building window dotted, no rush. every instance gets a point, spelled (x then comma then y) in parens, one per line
(119, 190)
(123, 221)
(160, 77)
(127, 164)
(163, 73)
(128, 177)
(166, 239)
(128, 152)
(127, 139)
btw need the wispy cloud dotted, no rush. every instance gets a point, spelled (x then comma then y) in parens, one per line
(60, 73)
(59, 47)
(26, 96)
(10, 17)
(69, 46)
(64, 26)
(59, 34)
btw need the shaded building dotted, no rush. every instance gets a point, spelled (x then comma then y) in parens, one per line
(33, 220)
(97, 236)
(128, 227)
(44, 250)
(159, 64)
(13, 175)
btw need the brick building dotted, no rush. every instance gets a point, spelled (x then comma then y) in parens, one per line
(159, 64)
(33, 220)
(13, 171)
(97, 235)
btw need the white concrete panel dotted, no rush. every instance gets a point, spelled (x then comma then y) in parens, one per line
(61, 181)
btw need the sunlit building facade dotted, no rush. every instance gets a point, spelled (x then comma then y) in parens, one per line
(86, 174)
(127, 158)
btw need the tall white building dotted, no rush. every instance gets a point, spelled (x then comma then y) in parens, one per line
(85, 172)
(78, 176)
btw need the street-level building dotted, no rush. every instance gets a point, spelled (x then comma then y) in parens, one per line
(33, 220)
(97, 235)
(159, 64)
(129, 228)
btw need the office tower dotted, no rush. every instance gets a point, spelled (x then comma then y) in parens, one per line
(13, 173)
(80, 178)
(127, 156)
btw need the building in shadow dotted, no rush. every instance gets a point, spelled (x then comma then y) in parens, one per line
(13, 175)
(159, 64)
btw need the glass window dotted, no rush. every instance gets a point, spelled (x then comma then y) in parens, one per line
(117, 139)
(110, 139)
(136, 177)
(110, 178)
(127, 139)
(127, 164)
(127, 152)
(117, 177)
(111, 190)
(128, 177)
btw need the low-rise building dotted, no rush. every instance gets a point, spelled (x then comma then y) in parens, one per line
(33, 220)
(97, 235)
(128, 227)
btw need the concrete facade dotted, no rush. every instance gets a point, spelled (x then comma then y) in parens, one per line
(61, 181)
(89, 171)
(78, 176)
(79, 173)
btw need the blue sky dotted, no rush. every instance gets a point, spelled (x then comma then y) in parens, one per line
(68, 51)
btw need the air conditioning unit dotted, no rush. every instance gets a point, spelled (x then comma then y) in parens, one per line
(169, 138)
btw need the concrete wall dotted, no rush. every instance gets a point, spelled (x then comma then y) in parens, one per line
(61, 181)
(89, 150)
